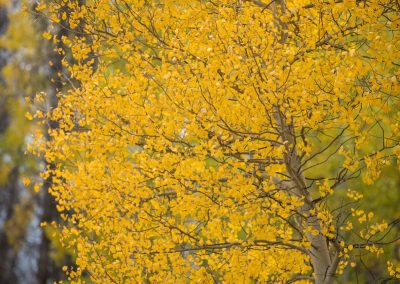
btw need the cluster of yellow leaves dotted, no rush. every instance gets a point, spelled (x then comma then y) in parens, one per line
(171, 155)
(345, 255)
(394, 270)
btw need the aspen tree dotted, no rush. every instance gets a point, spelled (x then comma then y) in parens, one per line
(211, 140)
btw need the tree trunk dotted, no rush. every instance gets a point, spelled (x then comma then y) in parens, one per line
(323, 263)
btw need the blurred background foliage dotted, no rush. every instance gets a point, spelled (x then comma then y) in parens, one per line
(382, 198)
(28, 253)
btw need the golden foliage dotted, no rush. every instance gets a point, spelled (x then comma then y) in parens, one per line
(190, 147)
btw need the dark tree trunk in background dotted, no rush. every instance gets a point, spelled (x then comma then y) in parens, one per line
(49, 271)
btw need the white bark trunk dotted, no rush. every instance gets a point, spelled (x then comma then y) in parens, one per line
(323, 263)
